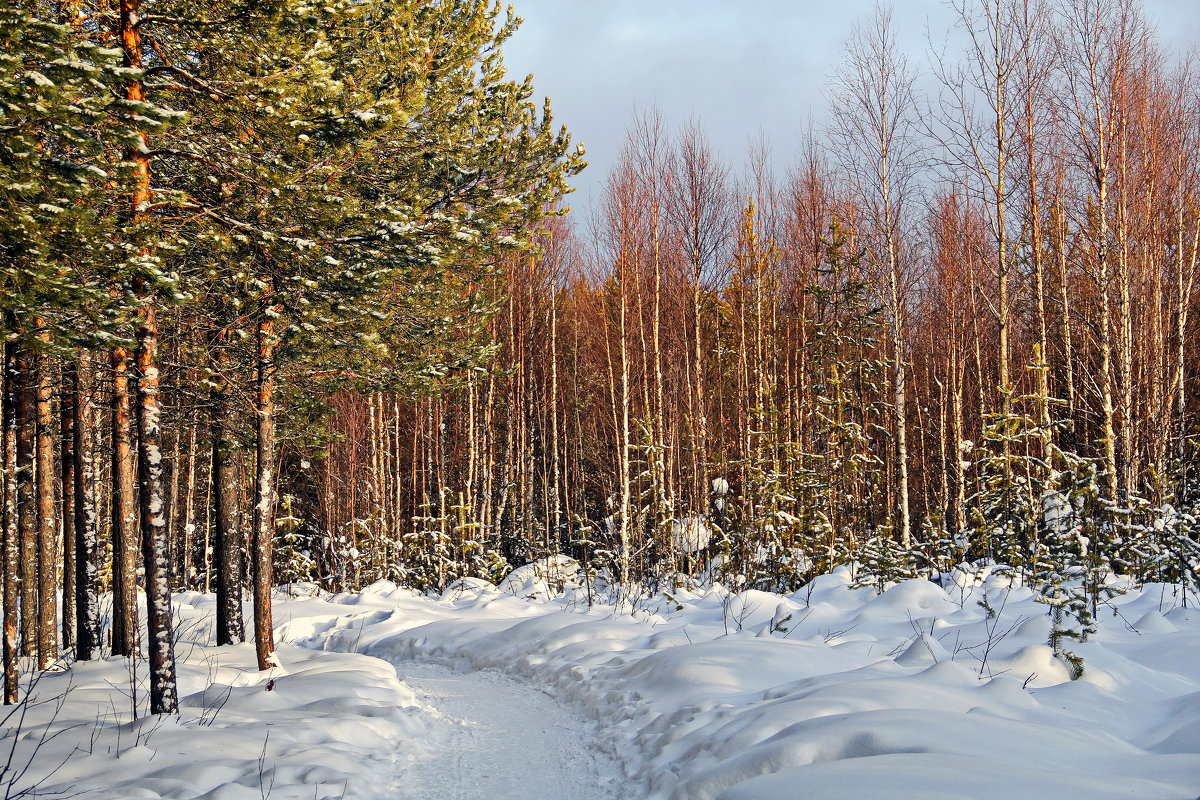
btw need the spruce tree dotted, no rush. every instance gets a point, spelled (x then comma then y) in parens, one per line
(844, 474)
(1069, 564)
(1012, 472)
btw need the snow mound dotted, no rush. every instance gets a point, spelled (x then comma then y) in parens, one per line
(925, 651)
(1035, 664)
(1154, 622)
(835, 691)
(912, 598)
(542, 580)
(831, 692)
(326, 725)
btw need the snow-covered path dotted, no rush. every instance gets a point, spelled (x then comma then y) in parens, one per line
(508, 741)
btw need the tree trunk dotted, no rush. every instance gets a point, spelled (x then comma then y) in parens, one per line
(1181, 368)
(900, 401)
(87, 578)
(26, 500)
(11, 540)
(68, 467)
(1061, 244)
(209, 524)
(264, 497)
(124, 626)
(152, 509)
(186, 563)
(47, 521)
(899, 374)
(153, 514)
(228, 534)
(626, 507)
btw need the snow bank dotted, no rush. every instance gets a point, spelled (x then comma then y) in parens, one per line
(918, 692)
(324, 725)
(832, 692)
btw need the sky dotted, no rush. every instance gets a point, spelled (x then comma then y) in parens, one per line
(742, 67)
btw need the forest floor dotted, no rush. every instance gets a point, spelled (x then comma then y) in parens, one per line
(536, 690)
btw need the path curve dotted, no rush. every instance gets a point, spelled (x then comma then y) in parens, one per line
(507, 741)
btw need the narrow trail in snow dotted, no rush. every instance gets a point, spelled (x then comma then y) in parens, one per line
(508, 741)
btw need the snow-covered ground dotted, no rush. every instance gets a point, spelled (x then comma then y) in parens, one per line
(833, 692)
(509, 741)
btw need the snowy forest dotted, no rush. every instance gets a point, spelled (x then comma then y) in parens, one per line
(297, 310)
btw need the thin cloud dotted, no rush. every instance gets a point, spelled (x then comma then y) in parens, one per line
(739, 65)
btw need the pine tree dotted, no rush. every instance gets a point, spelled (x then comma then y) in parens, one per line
(55, 91)
(353, 170)
(56, 143)
(295, 562)
(10, 543)
(86, 523)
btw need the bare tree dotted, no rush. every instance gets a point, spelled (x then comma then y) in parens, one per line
(699, 213)
(1098, 42)
(874, 136)
(978, 137)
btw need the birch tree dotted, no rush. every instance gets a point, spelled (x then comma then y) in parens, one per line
(875, 136)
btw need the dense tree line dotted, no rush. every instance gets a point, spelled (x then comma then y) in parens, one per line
(962, 327)
(214, 216)
(284, 301)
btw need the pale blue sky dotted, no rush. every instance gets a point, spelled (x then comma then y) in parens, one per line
(741, 66)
